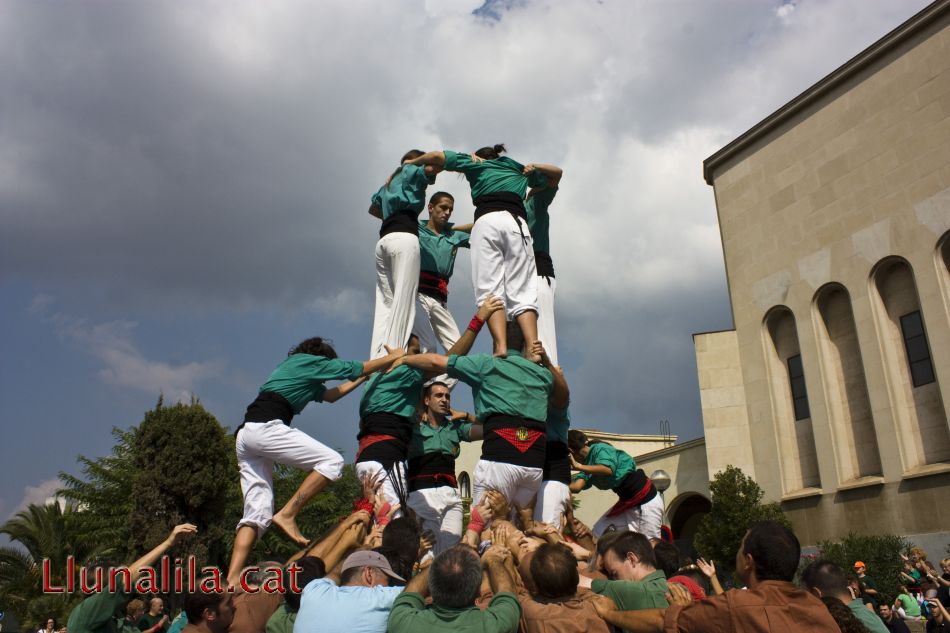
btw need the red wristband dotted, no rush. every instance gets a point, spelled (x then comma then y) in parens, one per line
(362, 504)
(476, 523)
(475, 324)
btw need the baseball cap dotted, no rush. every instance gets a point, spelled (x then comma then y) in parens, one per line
(369, 558)
(859, 564)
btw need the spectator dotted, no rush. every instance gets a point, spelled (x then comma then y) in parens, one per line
(845, 618)
(825, 579)
(50, 626)
(766, 562)
(943, 583)
(155, 620)
(454, 580)
(906, 605)
(940, 618)
(893, 623)
(133, 613)
(866, 583)
(360, 603)
(208, 612)
(635, 582)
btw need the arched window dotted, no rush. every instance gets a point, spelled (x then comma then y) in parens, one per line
(465, 486)
(790, 401)
(846, 391)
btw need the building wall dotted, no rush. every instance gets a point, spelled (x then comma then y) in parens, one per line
(831, 231)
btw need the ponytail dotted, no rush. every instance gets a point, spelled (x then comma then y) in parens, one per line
(491, 153)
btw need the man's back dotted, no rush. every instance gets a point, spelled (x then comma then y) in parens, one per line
(574, 615)
(410, 615)
(772, 607)
(327, 608)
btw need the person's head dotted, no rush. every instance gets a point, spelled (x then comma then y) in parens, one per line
(629, 557)
(917, 554)
(577, 444)
(491, 153)
(667, 557)
(597, 558)
(884, 610)
(769, 551)
(315, 346)
(307, 569)
(455, 578)
(411, 155)
(824, 578)
(211, 610)
(50, 624)
(945, 565)
(412, 346)
(135, 609)
(366, 568)
(155, 606)
(515, 336)
(256, 575)
(843, 616)
(860, 568)
(401, 560)
(554, 571)
(402, 535)
(437, 399)
(441, 205)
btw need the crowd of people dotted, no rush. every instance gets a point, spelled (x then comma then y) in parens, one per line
(405, 560)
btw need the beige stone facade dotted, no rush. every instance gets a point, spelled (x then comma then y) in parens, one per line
(835, 222)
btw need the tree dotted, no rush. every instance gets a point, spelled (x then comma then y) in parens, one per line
(881, 554)
(736, 505)
(42, 532)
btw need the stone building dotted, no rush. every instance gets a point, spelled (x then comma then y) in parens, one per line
(832, 390)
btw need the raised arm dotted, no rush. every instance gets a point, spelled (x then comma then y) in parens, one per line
(434, 158)
(464, 228)
(335, 393)
(371, 366)
(560, 393)
(499, 576)
(430, 363)
(465, 342)
(146, 561)
(552, 172)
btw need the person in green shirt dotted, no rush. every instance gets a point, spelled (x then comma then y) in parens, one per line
(502, 252)
(554, 496)
(266, 437)
(439, 241)
(825, 579)
(634, 582)
(906, 605)
(639, 508)
(96, 613)
(388, 410)
(539, 222)
(436, 441)
(511, 397)
(454, 580)
(398, 204)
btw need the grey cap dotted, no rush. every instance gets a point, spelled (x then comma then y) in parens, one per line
(369, 558)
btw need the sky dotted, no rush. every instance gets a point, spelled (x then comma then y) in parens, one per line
(184, 185)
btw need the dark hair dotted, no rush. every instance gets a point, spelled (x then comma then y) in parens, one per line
(315, 346)
(349, 575)
(308, 568)
(455, 578)
(438, 195)
(411, 155)
(576, 440)
(400, 560)
(435, 383)
(554, 571)
(514, 335)
(491, 153)
(667, 558)
(826, 577)
(843, 616)
(636, 543)
(196, 603)
(775, 550)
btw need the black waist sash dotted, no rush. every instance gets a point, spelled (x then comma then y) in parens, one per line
(387, 451)
(434, 285)
(557, 463)
(431, 470)
(268, 406)
(514, 440)
(405, 221)
(544, 264)
(636, 485)
(500, 201)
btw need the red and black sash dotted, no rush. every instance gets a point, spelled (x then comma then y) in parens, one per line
(434, 285)
(514, 440)
(635, 490)
(383, 438)
(432, 470)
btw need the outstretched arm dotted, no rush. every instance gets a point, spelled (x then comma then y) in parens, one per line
(384, 362)
(335, 393)
(429, 363)
(465, 342)
(434, 158)
(552, 172)
(146, 561)
(464, 228)
(560, 393)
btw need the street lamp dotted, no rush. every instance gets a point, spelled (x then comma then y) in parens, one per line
(661, 481)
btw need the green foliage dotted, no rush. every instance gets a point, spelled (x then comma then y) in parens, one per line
(881, 554)
(736, 505)
(41, 532)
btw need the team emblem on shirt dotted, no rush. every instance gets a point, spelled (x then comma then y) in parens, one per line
(522, 434)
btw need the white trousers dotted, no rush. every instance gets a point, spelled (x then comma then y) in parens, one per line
(547, 333)
(397, 280)
(372, 469)
(434, 325)
(259, 446)
(503, 263)
(553, 498)
(645, 519)
(518, 483)
(440, 511)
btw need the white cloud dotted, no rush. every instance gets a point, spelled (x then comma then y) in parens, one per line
(40, 494)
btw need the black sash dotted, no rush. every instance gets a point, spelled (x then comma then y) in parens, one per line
(405, 221)
(544, 264)
(557, 463)
(500, 201)
(431, 470)
(502, 441)
(268, 406)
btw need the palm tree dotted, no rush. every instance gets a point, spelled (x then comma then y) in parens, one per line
(41, 533)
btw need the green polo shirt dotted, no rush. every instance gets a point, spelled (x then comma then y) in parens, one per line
(493, 176)
(606, 455)
(300, 377)
(628, 595)
(95, 613)
(559, 420)
(868, 618)
(438, 250)
(446, 439)
(511, 386)
(396, 392)
(282, 620)
(538, 220)
(410, 615)
(405, 192)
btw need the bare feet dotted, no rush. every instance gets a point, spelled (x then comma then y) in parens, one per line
(500, 353)
(289, 527)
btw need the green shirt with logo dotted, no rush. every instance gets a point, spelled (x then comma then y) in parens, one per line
(510, 386)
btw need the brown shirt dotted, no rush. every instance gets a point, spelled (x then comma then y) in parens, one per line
(576, 615)
(253, 610)
(773, 606)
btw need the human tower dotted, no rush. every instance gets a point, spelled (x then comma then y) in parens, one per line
(408, 434)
